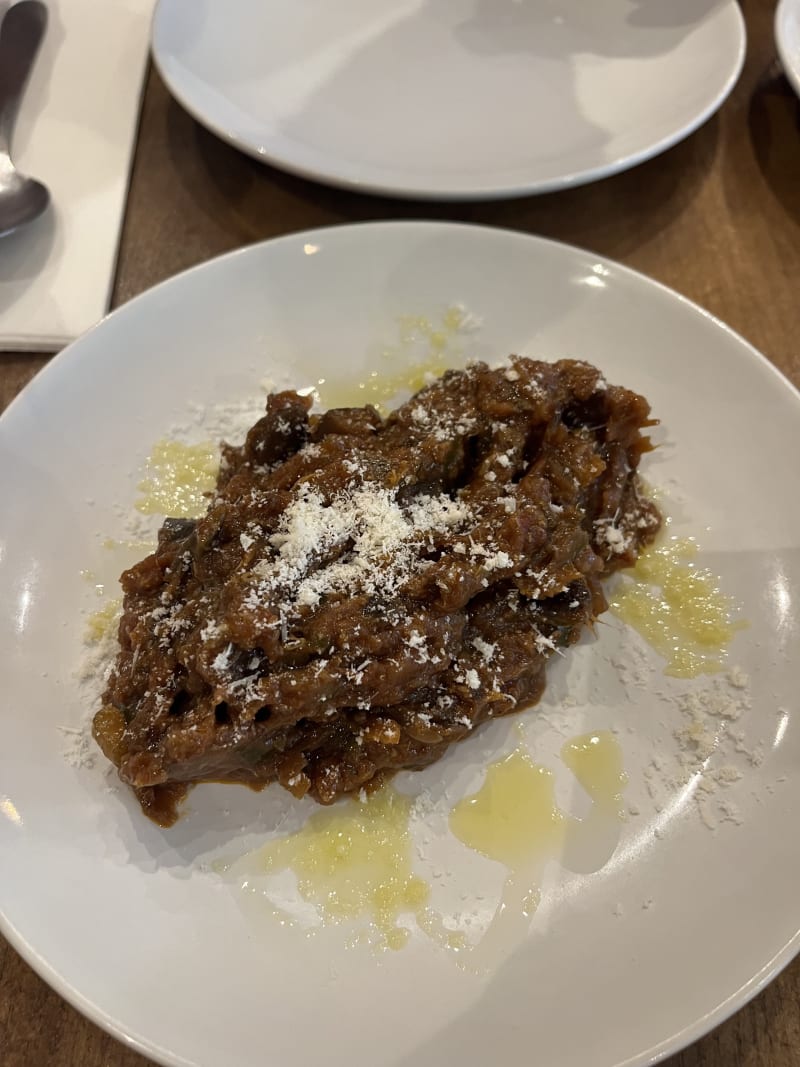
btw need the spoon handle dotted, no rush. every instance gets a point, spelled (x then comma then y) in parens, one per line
(22, 28)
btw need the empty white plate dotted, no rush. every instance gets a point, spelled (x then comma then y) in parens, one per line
(618, 965)
(787, 39)
(450, 99)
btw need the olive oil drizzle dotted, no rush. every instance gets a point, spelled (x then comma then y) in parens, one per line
(354, 862)
(678, 607)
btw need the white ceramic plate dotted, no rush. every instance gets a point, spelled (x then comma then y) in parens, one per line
(787, 39)
(620, 965)
(450, 99)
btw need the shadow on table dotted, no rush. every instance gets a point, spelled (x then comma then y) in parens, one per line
(216, 178)
(774, 125)
(614, 216)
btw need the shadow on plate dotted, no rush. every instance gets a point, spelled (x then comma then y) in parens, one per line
(506, 26)
(354, 129)
(218, 820)
(223, 822)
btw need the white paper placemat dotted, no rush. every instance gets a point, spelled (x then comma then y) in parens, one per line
(75, 133)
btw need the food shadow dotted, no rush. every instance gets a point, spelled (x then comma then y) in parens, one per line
(218, 823)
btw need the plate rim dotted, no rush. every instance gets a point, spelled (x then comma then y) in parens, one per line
(791, 67)
(305, 236)
(694, 1030)
(423, 192)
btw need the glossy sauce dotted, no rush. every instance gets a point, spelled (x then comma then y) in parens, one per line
(678, 608)
(353, 861)
(377, 388)
(429, 346)
(596, 761)
(178, 477)
(513, 816)
(514, 819)
(90, 576)
(100, 622)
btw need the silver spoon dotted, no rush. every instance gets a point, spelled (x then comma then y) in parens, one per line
(22, 28)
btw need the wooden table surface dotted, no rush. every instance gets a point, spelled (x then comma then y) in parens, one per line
(717, 218)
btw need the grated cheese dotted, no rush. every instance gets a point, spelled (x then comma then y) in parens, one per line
(382, 540)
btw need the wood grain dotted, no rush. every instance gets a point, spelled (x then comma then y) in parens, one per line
(717, 218)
